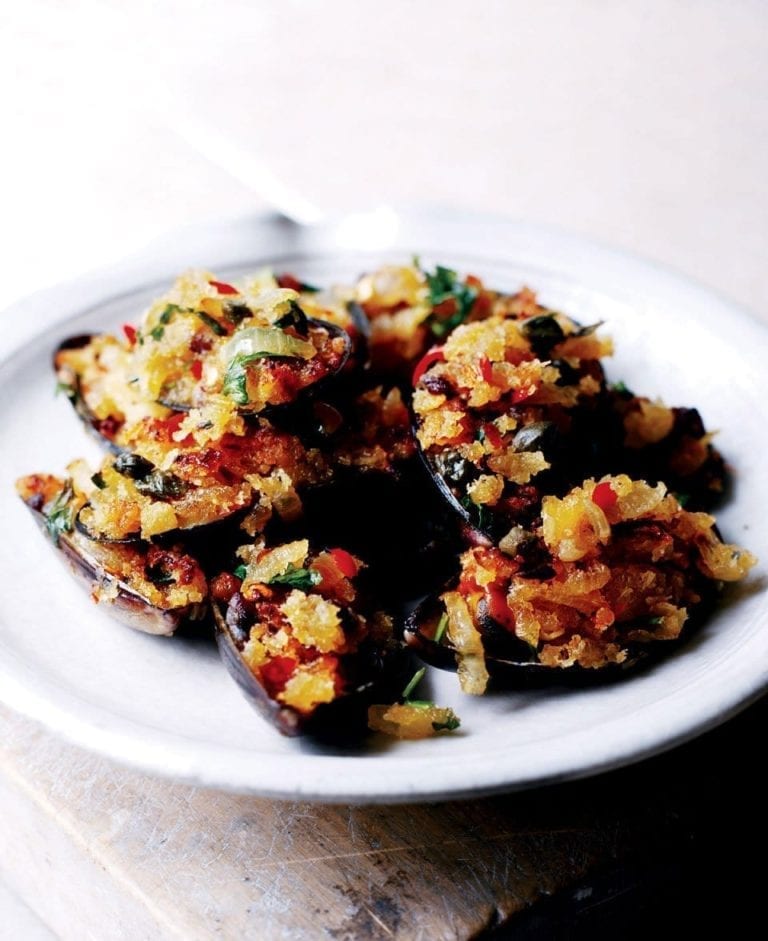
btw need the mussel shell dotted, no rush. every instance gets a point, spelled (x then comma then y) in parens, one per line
(379, 678)
(211, 530)
(505, 656)
(128, 606)
(473, 533)
(93, 425)
(392, 519)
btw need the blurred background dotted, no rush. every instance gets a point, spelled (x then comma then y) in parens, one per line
(642, 123)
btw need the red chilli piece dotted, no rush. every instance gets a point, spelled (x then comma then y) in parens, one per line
(498, 607)
(223, 288)
(604, 496)
(197, 369)
(435, 355)
(345, 563)
(130, 333)
(486, 368)
(289, 281)
(493, 435)
(276, 673)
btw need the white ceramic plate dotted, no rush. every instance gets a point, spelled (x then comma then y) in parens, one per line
(167, 706)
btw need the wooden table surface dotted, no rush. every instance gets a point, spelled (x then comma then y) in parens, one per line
(642, 124)
(104, 852)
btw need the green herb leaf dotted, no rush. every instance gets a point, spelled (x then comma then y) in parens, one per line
(98, 480)
(61, 516)
(478, 514)
(682, 498)
(619, 386)
(417, 677)
(212, 323)
(295, 318)
(240, 572)
(64, 388)
(158, 484)
(444, 284)
(165, 317)
(237, 313)
(442, 624)
(452, 722)
(293, 577)
(236, 377)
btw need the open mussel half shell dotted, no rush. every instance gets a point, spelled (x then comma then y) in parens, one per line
(510, 662)
(231, 635)
(89, 562)
(478, 529)
(372, 674)
(103, 430)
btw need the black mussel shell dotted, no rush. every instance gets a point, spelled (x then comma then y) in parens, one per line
(510, 662)
(103, 431)
(127, 605)
(374, 674)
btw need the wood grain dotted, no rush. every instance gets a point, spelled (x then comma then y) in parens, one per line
(104, 852)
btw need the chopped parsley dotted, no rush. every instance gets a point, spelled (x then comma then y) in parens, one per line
(212, 323)
(619, 386)
(165, 318)
(417, 677)
(240, 572)
(451, 723)
(295, 318)
(64, 388)
(293, 577)
(158, 484)
(236, 377)
(61, 516)
(445, 285)
(478, 514)
(98, 480)
(441, 626)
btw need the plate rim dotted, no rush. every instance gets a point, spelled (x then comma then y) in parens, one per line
(110, 735)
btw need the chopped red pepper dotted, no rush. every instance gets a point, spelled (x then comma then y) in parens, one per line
(486, 368)
(223, 288)
(275, 674)
(130, 333)
(604, 496)
(197, 369)
(493, 435)
(498, 607)
(435, 355)
(289, 281)
(345, 563)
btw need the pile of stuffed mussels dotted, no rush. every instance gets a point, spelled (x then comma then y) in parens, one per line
(333, 479)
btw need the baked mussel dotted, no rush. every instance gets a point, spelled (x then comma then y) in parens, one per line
(612, 576)
(297, 634)
(204, 346)
(507, 409)
(147, 587)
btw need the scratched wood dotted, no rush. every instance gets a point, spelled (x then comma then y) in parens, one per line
(103, 852)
